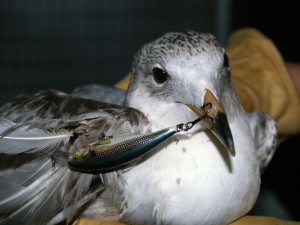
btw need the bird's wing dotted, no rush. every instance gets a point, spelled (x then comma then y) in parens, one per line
(30, 185)
(101, 93)
(264, 130)
(56, 104)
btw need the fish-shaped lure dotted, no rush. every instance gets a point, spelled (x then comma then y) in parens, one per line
(110, 153)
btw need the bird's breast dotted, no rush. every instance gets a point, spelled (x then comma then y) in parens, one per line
(187, 174)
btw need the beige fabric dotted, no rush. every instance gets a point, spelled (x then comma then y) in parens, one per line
(262, 83)
(246, 220)
(123, 84)
(262, 80)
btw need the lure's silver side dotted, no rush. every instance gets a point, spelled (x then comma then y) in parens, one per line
(112, 153)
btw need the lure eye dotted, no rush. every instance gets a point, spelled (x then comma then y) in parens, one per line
(75, 158)
(159, 75)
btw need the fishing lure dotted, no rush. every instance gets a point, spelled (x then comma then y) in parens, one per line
(110, 153)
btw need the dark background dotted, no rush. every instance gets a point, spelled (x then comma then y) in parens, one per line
(279, 20)
(65, 43)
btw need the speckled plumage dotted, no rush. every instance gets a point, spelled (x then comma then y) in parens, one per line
(192, 178)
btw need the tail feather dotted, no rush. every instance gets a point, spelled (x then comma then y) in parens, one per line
(64, 215)
(19, 206)
(44, 195)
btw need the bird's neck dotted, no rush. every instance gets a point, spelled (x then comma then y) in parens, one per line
(231, 105)
(160, 114)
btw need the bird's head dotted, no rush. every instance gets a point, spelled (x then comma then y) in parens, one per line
(175, 75)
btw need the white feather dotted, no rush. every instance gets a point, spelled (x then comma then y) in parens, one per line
(23, 138)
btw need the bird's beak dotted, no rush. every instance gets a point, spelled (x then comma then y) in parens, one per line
(216, 120)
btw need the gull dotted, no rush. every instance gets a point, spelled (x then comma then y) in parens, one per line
(209, 174)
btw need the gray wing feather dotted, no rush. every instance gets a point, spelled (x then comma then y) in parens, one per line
(101, 93)
(264, 130)
(35, 191)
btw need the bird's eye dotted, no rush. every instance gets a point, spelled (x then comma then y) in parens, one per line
(225, 60)
(159, 75)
